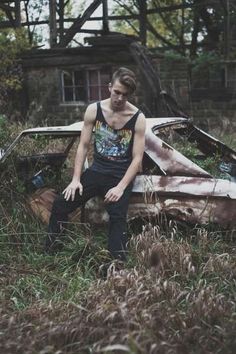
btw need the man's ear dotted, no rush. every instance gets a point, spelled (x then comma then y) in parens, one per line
(109, 86)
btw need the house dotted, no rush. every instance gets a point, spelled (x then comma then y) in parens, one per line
(61, 82)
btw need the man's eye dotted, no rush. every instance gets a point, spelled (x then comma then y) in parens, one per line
(120, 93)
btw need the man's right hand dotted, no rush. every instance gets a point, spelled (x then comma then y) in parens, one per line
(70, 190)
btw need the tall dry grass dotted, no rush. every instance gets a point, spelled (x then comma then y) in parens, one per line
(175, 295)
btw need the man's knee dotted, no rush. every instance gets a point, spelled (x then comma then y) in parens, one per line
(118, 217)
(59, 205)
(117, 213)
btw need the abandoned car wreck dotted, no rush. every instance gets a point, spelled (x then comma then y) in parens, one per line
(186, 173)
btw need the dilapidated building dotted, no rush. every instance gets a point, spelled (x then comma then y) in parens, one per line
(61, 82)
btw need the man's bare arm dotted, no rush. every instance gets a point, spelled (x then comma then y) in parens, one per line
(85, 138)
(115, 193)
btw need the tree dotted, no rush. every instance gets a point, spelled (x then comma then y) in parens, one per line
(12, 43)
(186, 27)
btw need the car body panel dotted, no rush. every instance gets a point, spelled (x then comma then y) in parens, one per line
(170, 183)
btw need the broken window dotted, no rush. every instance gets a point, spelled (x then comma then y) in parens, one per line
(197, 146)
(85, 85)
(41, 160)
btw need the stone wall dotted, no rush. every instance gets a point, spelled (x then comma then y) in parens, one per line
(43, 82)
(212, 107)
(44, 96)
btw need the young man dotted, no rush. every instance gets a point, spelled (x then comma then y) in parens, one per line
(118, 151)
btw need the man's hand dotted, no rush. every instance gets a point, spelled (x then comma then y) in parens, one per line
(70, 190)
(113, 195)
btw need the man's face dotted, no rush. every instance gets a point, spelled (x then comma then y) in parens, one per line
(119, 95)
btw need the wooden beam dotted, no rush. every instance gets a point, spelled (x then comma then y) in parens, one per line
(143, 21)
(6, 24)
(148, 11)
(78, 23)
(17, 13)
(6, 8)
(9, 10)
(105, 24)
(61, 21)
(52, 23)
(7, 1)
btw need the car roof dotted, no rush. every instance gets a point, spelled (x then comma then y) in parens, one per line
(77, 127)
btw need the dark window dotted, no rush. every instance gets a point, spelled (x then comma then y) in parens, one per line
(85, 85)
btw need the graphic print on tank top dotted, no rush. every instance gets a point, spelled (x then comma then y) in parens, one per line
(110, 143)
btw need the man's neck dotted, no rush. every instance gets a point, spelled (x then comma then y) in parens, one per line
(116, 109)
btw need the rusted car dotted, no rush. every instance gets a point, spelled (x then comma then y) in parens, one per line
(186, 173)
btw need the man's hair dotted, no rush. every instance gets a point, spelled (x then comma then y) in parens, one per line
(126, 78)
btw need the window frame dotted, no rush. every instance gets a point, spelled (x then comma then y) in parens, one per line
(87, 84)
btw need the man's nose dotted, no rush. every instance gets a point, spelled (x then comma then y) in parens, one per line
(120, 97)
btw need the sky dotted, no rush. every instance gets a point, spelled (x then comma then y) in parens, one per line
(44, 30)
(97, 13)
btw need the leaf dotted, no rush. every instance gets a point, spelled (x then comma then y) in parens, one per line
(108, 348)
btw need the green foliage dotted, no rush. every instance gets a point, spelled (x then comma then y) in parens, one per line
(188, 31)
(204, 62)
(209, 163)
(229, 139)
(3, 129)
(169, 25)
(172, 56)
(12, 43)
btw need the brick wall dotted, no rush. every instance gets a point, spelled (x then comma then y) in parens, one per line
(213, 107)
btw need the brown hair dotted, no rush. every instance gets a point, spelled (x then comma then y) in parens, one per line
(126, 78)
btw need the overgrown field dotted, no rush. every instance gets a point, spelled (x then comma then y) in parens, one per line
(176, 294)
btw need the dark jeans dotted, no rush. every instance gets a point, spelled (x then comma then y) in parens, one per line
(94, 184)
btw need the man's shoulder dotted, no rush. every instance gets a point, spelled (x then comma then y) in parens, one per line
(140, 114)
(92, 107)
(134, 109)
(105, 103)
(130, 106)
(141, 122)
(91, 112)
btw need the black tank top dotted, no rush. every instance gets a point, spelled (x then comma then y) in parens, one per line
(113, 147)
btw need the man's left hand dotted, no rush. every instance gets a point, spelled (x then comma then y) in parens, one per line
(113, 195)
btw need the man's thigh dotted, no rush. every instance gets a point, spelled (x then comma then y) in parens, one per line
(120, 207)
(90, 189)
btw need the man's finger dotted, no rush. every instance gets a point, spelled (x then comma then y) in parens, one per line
(67, 194)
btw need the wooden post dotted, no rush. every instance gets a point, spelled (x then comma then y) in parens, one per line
(52, 23)
(105, 23)
(227, 30)
(61, 10)
(143, 21)
(226, 41)
(17, 13)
